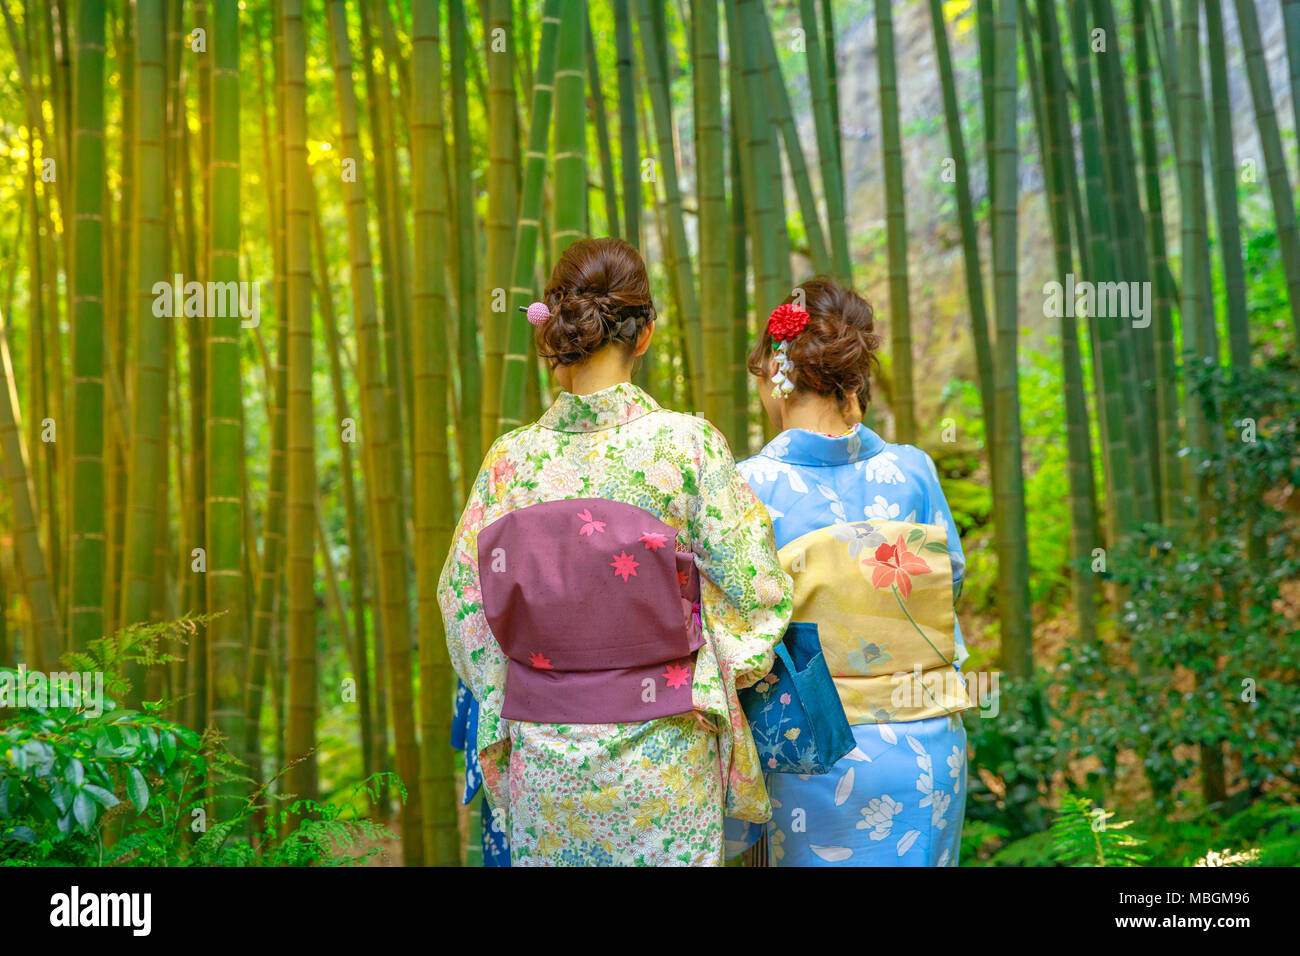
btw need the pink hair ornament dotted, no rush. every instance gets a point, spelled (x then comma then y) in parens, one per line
(537, 312)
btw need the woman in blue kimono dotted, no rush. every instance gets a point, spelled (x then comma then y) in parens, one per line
(864, 530)
(464, 735)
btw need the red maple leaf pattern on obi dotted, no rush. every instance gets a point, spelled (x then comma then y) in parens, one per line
(893, 564)
(625, 565)
(540, 661)
(592, 525)
(653, 540)
(677, 675)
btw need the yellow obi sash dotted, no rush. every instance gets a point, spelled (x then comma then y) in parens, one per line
(880, 593)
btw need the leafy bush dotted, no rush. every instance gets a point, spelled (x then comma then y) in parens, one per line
(1204, 661)
(1199, 669)
(88, 782)
(65, 771)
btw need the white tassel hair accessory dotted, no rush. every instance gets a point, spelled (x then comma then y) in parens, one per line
(784, 325)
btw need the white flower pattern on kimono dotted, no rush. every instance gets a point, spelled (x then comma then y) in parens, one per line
(878, 816)
(756, 471)
(939, 809)
(881, 509)
(956, 768)
(664, 476)
(882, 468)
(638, 457)
(558, 479)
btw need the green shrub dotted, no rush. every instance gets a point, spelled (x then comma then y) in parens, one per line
(85, 781)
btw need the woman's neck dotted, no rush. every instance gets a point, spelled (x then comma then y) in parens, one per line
(818, 414)
(606, 368)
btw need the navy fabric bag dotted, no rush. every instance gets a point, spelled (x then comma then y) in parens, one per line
(795, 712)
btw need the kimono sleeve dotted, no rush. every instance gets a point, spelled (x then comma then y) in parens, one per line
(940, 513)
(731, 535)
(475, 655)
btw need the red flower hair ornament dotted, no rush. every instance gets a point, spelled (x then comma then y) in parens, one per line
(784, 325)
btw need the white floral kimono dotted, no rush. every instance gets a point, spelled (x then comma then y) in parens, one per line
(626, 793)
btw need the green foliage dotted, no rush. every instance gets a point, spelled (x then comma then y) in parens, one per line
(1042, 416)
(1205, 651)
(63, 771)
(1272, 831)
(1013, 759)
(1084, 835)
(292, 833)
(1081, 834)
(85, 781)
(1202, 655)
(71, 758)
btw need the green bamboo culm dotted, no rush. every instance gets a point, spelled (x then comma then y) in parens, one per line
(1191, 199)
(903, 402)
(1270, 137)
(629, 160)
(382, 453)
(680, 270)
(1166, 380)
(224, 412)
(1106, 353)
(1291, 20)
(505, 209)
(715, 230)
(86, 566)
(357, 643)
(1012, 540)
(149, 385)
(469, 428)
(45, 639)
(570, 129)
(269, 578)
(514, 366)
(608, 186)
(300, 473)
(432, 464)
(1224, 177)
(826, 124)
(1058, 153)
(779, 99)
(738, 433)
(772, 282)
(966, 220)
(1129, 262)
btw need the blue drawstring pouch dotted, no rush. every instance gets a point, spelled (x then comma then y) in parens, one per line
(795, 712)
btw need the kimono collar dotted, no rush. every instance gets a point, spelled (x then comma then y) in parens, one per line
(800, 447)
(608, 408)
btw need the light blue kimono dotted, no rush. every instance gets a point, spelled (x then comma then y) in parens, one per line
(898, 797)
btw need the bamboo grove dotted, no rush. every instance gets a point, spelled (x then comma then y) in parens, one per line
(394, 180)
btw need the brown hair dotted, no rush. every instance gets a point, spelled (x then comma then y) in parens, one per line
(835, 352)
(598, 293)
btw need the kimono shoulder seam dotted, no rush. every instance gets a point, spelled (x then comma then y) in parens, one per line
(540, 425)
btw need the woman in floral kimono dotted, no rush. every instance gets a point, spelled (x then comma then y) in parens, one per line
(612, 582)
(863, 526)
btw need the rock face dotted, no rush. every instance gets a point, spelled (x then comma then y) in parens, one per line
(940, 316)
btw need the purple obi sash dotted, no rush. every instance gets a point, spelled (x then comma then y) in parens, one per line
(596, 610)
